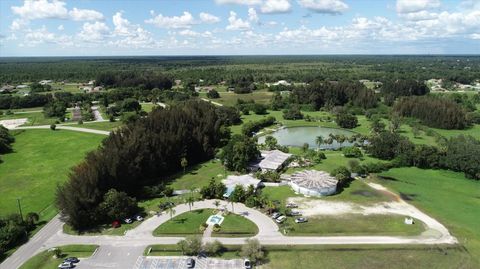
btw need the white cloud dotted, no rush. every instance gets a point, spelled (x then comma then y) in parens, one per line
(237, 24)
(475, 36)
(324, 6)
(41, 9)
(184, 21)
(190, 33)
(54, 9)
(132, 35)
(19, 25)
(85, 15)
(122, 26)
(208, 18)
(240, 2)
(411, 6)
(60, 27)
(275, 6)
(94, 32)
(252, 15)
(42, 35)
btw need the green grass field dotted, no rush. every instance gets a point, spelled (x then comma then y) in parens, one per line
(236, 226)
(45, 259)
(197, 176)
(104, 126)
(230, 98)
(40, 160)
(445, 195)
(354, 224)
(184, 224)
(189, 223)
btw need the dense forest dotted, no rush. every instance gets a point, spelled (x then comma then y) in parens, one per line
(214, 69)
(140, 154)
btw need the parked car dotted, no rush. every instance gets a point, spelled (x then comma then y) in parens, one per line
(138, 218)
(280, 219)
(276, 215)
(301, 220)
(247, 264)
(66, 265)
(116, 224)
(295, 213)
(190, 263)
(128, 220)
(292, 205)
(72, 260)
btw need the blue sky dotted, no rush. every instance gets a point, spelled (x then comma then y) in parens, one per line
(219, 27)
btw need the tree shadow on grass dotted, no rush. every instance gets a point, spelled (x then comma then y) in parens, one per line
(180, 221)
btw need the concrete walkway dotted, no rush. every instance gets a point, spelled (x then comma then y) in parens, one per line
(140, 237)
(64, 127)
(210, 101)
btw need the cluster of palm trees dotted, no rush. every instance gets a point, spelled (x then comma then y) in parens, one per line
(340, 138)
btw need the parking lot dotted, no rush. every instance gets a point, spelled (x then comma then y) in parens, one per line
(180, 263)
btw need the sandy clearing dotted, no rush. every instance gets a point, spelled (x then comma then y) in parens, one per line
(13, 123)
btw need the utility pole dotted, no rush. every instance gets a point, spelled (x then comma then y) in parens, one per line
(20, 208)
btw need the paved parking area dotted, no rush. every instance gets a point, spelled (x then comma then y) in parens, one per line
(181, 263)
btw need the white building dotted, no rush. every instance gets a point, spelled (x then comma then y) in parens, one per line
(313, 183)
(273, 160)
(244, 180)
(45, 82)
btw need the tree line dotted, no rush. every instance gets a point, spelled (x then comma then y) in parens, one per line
(142, 153)
(433, 111)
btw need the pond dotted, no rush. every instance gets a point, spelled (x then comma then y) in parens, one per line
(297, 136)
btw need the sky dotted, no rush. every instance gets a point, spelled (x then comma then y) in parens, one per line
(238, 27)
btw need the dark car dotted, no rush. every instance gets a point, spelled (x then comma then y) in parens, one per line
(72, 260)
(190, 263)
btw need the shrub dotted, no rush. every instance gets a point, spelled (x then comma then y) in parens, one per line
(53, 127)
(216, 227)
(352, 152)
(213, 248)
(213, 94)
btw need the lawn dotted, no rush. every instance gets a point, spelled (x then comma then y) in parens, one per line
(184, 224)
(103, 229)
(354, 224)
(445, 195)
(40, 160)
(148, 107)
(230, 98)
(45, 259)
(236, 226)
(189, 223)
(473, 131)
(104, 126)
(198, 175)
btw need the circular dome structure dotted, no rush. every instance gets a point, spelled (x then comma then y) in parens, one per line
(313, 183)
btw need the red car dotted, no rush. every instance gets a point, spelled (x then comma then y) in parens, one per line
(116, 224)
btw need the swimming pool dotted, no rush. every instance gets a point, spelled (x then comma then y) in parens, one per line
(215, 219)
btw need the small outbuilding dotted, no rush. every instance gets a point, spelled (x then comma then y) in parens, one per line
(313, 183)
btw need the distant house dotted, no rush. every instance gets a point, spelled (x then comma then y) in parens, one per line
(273, 160)
(45, 82)
(21, 86)
(87, 89)
(178, 82)
(7, 89)
(243, 180)
(282, 82)
(91, 82)
(97, 89)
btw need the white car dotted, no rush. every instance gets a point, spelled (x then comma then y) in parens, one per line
(280, 219)
(128, 220)
(247, 264)
(276, 215)
(139, 218)
(65, 265)
(295, 213)
(292, 205)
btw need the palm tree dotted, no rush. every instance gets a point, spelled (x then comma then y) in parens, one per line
(190, 201)
(319, 141)
(216, 203)
(171, 211)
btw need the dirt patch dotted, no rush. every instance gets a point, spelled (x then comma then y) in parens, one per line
(408, 196)
(365, 193)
